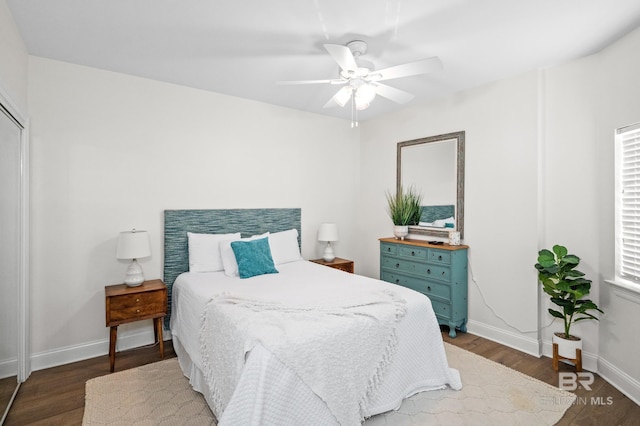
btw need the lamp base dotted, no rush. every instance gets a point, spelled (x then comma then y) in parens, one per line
(328, 254)
(134, 276)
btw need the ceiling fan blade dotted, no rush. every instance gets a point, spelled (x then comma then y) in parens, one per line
(341, 97)
(422, 66)
(294, 82)
(393, 94)
(343, 56)
(330, 103)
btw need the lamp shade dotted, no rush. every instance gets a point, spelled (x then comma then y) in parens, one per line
(328, 232)
(133, 245)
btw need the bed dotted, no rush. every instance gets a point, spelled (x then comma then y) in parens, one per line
(300, 343)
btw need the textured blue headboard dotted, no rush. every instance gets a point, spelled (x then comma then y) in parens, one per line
(432, 213)
(246, 221)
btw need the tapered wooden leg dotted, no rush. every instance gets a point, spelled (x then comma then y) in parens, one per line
(158, 333)
(557, 357)
(113, 335)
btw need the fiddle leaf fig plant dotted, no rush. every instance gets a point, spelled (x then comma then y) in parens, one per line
(405, 207)
(566, 285)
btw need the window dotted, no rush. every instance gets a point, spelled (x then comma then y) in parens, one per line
(627, 160)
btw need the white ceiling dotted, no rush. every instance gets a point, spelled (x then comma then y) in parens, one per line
(243, 47)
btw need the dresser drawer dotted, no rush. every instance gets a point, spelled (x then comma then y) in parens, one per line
(133, 306)
(425, 287)
(413, 252)
(398, 264)
(441, 309)
(440, 256)
(433, 272)
(388, 248)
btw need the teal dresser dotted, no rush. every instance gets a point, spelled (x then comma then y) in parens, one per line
(437, 271)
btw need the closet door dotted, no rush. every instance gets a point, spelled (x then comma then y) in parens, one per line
(10, 251)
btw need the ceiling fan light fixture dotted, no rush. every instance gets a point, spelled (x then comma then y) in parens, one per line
(343, 96)
(365, 94)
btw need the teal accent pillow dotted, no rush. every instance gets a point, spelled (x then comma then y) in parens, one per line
(253, 257)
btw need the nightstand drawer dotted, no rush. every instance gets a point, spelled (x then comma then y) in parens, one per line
(132, 306)
(345, 265)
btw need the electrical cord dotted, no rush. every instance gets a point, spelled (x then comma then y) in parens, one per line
(484, 300)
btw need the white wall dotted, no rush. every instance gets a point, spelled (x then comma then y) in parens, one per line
(500, 122)
(13, 61)
(570, 181)
(110, 152)
(539, 172)
(617, 103)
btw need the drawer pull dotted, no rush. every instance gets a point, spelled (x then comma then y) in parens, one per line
(413, 253)
(137, 300)
(397, 280)
(443, 273)
(428, 288)
(397, 265)
(428, 271)
(440, 257)
(137, 311)
(388, 248)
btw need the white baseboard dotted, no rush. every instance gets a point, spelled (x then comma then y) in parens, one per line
(513, 340)
(589, 359)
(8, 368)
(69, 354)
(620, 380)
(609, 372)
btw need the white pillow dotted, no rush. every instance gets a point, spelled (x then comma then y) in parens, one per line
(229, 257)
(204, 251)
(284, 246)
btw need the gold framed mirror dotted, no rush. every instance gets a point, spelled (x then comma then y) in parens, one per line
(434, 167)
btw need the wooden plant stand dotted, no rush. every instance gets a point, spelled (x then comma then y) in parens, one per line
(577, 361)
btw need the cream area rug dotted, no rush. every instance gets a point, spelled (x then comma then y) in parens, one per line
(492, 394)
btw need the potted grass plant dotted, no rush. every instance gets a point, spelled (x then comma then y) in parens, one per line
(404, 209)
(567, 288)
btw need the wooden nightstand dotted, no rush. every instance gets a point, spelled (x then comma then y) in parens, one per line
(338, 263)
(127, 304)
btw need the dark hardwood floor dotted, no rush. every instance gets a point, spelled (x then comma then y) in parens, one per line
(56, 396)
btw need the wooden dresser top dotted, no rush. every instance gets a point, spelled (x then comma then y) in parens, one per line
(422, 243)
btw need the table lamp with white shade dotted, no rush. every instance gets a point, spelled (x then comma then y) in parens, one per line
(133, 245)
(328, 232)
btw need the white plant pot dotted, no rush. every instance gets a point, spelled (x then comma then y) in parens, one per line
(400, 231)
(567, 348)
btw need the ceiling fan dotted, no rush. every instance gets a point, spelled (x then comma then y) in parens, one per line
(360, 80)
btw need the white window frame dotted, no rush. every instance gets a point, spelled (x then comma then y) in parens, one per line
(627, 206)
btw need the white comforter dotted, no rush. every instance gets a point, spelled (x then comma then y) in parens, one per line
(267, 391)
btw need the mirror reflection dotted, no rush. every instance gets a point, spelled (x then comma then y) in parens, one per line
(434, 166)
